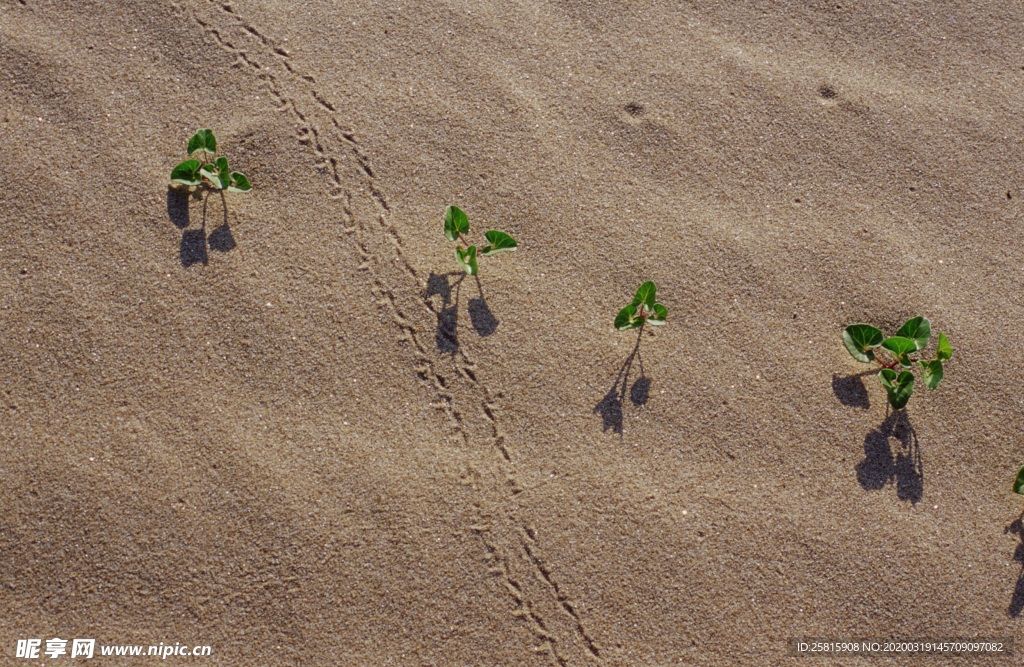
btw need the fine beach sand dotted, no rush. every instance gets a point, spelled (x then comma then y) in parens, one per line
(287, 430)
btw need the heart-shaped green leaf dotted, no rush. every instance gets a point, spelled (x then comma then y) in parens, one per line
(187, 173)
(917, 329)
(455, 223)
(212, 174)
(1018, 484)
(899, 388)
(932, 372)
(945, 350)
(646, 294)
(239, 183)
(901, 347)
(223, 170)
(859, 339)
(467, 259)
(499, 241)
(202, 140)
(657, 315)
(627, 319)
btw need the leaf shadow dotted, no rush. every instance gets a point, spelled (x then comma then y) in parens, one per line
(194, 242)
(177, 206)
(1017, 601)
(193, 248)
(881, 466)
(640, 392)
(480, 315)
(611, 406)
(221, 239)
(850, 390)
(447, 335)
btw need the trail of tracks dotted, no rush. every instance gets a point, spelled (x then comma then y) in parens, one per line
(511, 549)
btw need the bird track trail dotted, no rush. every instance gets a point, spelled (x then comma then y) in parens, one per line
(511, 550)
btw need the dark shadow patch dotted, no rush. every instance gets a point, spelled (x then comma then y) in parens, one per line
(1017, 601)
(484, 322)
(881, 466)
(851, 390)
(634, 109)
(193, 248)
(437, 284)
(194, 242)
(447, 334)
(177, 206)
(909, 477)
(827, 92)
(876, 470)
(221, 239)
(610, 407)
(640, 391)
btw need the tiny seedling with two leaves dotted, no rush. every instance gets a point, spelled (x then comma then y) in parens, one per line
(212, 171)
(865, 343)
(642, 310)
(456, 224)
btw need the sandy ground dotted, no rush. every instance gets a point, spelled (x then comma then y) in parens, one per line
(280, 425)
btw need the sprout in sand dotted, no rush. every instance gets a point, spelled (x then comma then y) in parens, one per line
(642, 309)
(212, 172)
(864, 342)
(456, 224)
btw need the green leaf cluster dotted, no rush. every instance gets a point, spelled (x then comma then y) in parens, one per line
(456, 224)
(642, 309)
(864, 341)
(215, 173)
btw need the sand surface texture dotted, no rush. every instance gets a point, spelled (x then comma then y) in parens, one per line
(280, 424)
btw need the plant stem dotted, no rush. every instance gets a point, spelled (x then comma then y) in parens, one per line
(891, 365)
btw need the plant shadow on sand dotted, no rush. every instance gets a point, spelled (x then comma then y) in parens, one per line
(881, 466)
(194, 242)
(851, 391)
(610, 407)
(480, 316)
(1017, 601)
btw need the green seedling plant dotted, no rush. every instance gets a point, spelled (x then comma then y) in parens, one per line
(1018, 484)
(866, 344)
(456, 224)
(212, 171)
(642, 309)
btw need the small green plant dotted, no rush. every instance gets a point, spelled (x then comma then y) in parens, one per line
(642, 309)
(1018, 484)
(865, 343)
(456, 224)
(212, 171)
